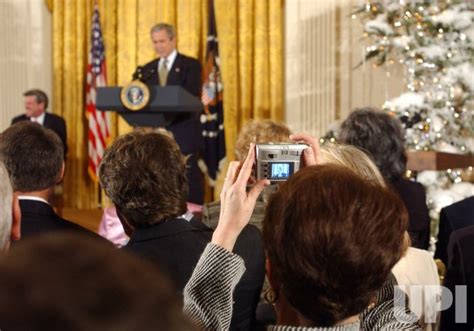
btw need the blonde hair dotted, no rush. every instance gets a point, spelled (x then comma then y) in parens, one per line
(361, 164)
(261, 131)
(354, 159)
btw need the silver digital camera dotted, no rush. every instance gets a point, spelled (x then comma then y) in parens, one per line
(277, 162)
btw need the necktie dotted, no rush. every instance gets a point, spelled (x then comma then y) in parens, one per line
(163, 72)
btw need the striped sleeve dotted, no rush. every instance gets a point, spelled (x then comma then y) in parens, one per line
(208, 293)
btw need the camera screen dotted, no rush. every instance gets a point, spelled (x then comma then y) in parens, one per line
(280, 170)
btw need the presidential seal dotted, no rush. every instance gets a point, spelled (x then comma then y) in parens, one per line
(135, 95)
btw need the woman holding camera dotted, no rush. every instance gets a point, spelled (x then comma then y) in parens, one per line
(331, 239)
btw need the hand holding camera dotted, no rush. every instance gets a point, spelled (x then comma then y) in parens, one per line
(236, 203)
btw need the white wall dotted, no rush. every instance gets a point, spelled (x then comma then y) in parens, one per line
(322, 47)
(25, 55)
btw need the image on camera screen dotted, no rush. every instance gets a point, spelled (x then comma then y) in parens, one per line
(280, 170)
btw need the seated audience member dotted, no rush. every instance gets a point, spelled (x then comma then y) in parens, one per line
(380, 135)
(34, 158)
(416, 267)
(9, 212)
(67, 281)
(336, 265)
(111, 229)
(452, 218)
(460, 272)
(36, 103)
(257, 132)
(143, 173)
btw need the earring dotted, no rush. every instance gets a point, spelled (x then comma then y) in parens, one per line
(270, 296)
(371, 305)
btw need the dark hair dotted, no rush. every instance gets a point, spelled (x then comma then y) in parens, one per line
(33, 156)
(381, 136)
(144, 174)
(66, 281)
(332, 238)
(41, 97)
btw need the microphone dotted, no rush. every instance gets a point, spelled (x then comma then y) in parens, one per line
(138, 73)
(149, 74)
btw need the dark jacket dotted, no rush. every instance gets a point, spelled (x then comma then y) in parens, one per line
(177, 245)
(460, 272)
(414, 197)
(53, 122)
(452, 218)
(185, 72)
(38, 217)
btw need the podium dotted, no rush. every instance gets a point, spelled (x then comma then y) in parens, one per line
(165, 103)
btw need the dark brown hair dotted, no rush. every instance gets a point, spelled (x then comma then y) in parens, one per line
(144, 174)
(41, 97)
(332, 238)
(74, 282)
(33, 156)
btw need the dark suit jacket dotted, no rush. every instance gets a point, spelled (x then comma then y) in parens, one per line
(53, 122)
(460, 272)
(452, 218)
(414, 197)
(185, 72)
(38, 217)
(176, 246)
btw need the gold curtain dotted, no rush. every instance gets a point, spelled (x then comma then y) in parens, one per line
(250, 34)
(251, 50)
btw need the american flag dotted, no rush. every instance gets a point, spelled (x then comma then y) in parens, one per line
(212, 118)
(99, 122)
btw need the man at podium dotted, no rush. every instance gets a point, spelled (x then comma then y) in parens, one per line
(173, 68)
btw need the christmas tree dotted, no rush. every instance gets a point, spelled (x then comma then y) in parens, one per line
(434, 40)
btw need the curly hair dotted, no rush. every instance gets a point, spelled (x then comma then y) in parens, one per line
(381, 136)
(144, 174)
(264, 131)
(332, 238)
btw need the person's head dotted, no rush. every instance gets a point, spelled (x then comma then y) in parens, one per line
(260, 132)
(9, 211)
(144, 174)
(354, 159)
(33, 156)
(331, 239)
(163, 37)
(381, 136)
(36, 102)
(75, 282)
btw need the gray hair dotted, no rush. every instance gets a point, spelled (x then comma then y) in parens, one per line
(6, 198)
(170, 30)
(375, 131)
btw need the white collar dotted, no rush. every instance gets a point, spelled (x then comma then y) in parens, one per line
(39, 119)
(32, 198)
(170, 60)
(188, 216)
